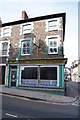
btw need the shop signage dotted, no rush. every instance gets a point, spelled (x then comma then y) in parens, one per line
(48, 82)
(26, 82)
(37, 61)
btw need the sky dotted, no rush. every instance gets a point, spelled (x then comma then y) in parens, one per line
(10, 10)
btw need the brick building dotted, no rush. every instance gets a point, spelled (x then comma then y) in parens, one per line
(32, 52)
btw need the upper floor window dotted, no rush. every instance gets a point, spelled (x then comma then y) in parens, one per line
(53, 24)
(52, 44)
(4, 46)
(6, 31)
(26, 47)
(26, 28)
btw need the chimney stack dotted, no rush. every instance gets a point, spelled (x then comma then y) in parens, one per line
(24, 15)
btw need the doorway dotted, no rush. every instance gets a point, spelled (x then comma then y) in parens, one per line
(13, 75)
(3, 74)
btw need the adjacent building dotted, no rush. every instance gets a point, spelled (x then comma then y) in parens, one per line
(32, 52)
(75, 71)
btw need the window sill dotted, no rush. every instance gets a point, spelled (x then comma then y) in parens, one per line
(25, 54)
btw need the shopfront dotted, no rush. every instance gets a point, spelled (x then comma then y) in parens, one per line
(42, 73)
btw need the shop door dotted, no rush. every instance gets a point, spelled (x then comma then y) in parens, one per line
(3, 75)
(13, 77)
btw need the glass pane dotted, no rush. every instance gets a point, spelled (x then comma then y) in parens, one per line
(4, 45)
(51, 73)
(29, 73)
(52, 23)
(24, 44)
(26, 27)
(53, 42)
(4, 52)
(52, 50)
(26, 51)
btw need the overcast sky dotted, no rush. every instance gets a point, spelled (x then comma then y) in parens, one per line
(10, 10)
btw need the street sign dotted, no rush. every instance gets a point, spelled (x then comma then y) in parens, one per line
(36, 42)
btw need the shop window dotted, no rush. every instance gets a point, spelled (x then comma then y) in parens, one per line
(29, 76)
(51, 73)
(29, 73)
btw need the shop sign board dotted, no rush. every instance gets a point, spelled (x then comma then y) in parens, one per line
(37, 61)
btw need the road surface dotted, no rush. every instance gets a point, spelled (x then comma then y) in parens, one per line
(14, 107)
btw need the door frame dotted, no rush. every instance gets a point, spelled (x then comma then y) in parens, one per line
(10, 76)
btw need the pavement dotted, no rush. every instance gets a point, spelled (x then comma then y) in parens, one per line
(37, 95)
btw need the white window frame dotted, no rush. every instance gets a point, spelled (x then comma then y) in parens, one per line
(57, 71)
(22, 47)
(26, 24)
(8, 33)
(7, 48)
(58, 42)
(23, 66)
(56, 27)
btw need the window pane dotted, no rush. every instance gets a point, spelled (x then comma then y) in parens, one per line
(25, 27)
(26, 51)
(6, 30)
(53, 50)
(29, 73)
(4, 52)
(4, 45)
(52, 23)
(48, 73)
(52, 43)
